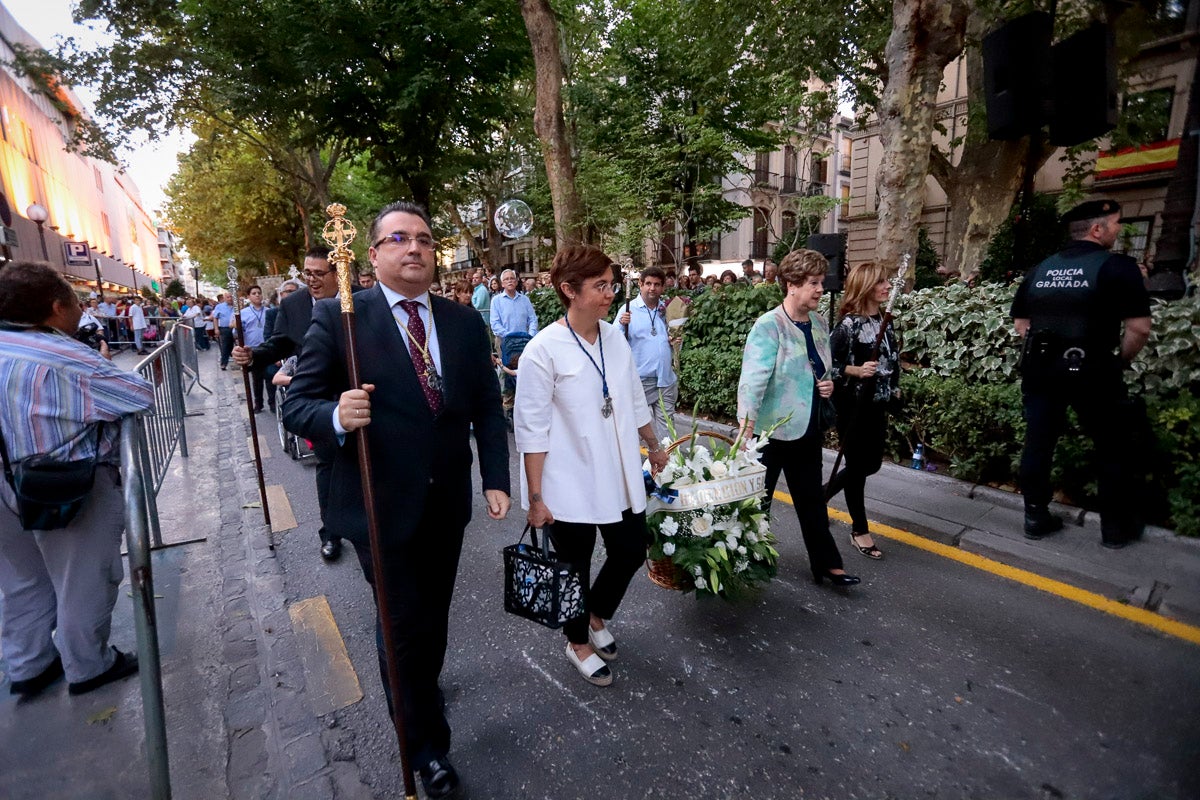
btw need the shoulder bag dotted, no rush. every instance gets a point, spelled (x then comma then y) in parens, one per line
(50, 493)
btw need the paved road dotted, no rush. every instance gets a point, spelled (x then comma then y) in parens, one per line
(931, 679)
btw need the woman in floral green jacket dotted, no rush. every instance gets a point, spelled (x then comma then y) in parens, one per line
(784, 371)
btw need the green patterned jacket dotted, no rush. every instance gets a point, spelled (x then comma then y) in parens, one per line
(777, 378)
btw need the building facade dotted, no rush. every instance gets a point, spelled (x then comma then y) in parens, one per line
(1161, 79)
(87, 201)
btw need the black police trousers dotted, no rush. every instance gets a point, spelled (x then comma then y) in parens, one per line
(1109, 418)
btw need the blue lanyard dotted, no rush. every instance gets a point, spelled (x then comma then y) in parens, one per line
(653, 316)
(599, 367)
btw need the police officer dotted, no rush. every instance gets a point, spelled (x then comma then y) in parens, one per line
(1070, 309)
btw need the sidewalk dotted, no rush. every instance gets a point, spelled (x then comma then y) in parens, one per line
(1160, 573)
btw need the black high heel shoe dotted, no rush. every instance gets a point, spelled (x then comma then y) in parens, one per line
(836, 580)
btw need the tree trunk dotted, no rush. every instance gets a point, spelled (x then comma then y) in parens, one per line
(982, 187)
(548, 121)
(926, 36)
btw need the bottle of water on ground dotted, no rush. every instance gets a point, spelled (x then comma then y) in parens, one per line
(918, 461)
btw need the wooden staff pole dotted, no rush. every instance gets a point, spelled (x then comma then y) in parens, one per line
(338, 234)
(232, 275)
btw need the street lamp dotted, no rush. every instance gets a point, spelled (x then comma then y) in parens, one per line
(37, 212)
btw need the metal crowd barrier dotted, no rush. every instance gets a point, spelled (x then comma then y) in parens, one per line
(184, 337)
(141, 579)
(148, 442)
(161, 428)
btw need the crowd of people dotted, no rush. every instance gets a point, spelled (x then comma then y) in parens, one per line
(591, 399)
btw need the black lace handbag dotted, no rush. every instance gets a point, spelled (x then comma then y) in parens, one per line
(50, 493)
(537, 585)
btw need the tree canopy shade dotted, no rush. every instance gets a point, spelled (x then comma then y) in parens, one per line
(410, 83)
(225, 200)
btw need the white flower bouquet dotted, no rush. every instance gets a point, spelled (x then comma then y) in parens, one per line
(704, 513)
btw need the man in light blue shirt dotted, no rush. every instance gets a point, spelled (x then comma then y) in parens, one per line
(645, 325)
(223, 317)
(481, 297)
(512, 312)
(253, 319)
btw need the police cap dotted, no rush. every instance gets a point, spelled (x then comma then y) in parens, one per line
(1093, 209)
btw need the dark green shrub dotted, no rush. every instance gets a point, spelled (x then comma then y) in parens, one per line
(724, 317)
(976, 427)
(1004, 262)
(708, 379)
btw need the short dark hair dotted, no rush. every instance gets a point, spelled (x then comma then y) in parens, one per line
(318, 251)
(575, 264)
(403, 206)
(654, 271)
(800, 265)
(251, 288)
(748, 262)
(28, 291)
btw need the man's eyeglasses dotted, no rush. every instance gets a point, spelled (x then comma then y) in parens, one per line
(423, 241)
(314, 275)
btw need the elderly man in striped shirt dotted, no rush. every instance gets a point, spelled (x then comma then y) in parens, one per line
(60, 586)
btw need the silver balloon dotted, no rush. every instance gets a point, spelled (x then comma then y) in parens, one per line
(514, 219)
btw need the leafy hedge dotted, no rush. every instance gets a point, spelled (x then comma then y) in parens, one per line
(963, 400)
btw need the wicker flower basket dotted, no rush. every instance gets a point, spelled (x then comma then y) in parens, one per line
(664, 571)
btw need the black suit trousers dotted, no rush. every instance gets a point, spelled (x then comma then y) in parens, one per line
(420, 583)
(800, 462)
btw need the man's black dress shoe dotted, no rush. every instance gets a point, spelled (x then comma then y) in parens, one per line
(439, 778)
(331, 549)
(35, 685)
(125, 665)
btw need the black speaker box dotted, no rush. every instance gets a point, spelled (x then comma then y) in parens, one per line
(1016, 76)
(833, 247)
(1085, 86)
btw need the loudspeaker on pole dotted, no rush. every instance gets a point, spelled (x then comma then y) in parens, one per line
(1016, 76)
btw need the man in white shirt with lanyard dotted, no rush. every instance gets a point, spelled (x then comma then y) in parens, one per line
(252, 320)
(645, 326)
(137, 320)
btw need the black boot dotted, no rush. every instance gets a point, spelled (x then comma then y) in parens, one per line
(1040, 522)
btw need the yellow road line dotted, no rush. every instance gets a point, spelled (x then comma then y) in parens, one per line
(282, 518)
(1171, 627)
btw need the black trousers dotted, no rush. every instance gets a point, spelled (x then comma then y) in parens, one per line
(258, 379)
(625, 544)
(226, 339)
(800, 462)
(324, 475)
(420, 583)
(862, 431)
(1111, 420)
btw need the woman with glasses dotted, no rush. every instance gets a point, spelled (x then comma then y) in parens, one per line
(784, 377)
(868, 384)
(580, 414)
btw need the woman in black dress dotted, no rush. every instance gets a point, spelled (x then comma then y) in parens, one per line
(867, 385)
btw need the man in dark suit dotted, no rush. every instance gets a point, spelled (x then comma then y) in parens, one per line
(425, 364)
(286, 339)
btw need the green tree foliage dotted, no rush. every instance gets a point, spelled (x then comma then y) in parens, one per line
(665, 97)
(175, 289)
(411, 84)
(1004, 262)
(225, 201)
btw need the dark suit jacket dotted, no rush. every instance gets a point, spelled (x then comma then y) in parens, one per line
(410, 448)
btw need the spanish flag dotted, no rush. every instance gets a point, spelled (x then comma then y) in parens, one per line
(1156, 157)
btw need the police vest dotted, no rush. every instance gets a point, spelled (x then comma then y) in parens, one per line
(1061, 296)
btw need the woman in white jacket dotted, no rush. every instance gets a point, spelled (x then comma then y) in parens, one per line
(579, 412)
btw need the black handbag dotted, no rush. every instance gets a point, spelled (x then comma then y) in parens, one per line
(50, 493)
(537, 585)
